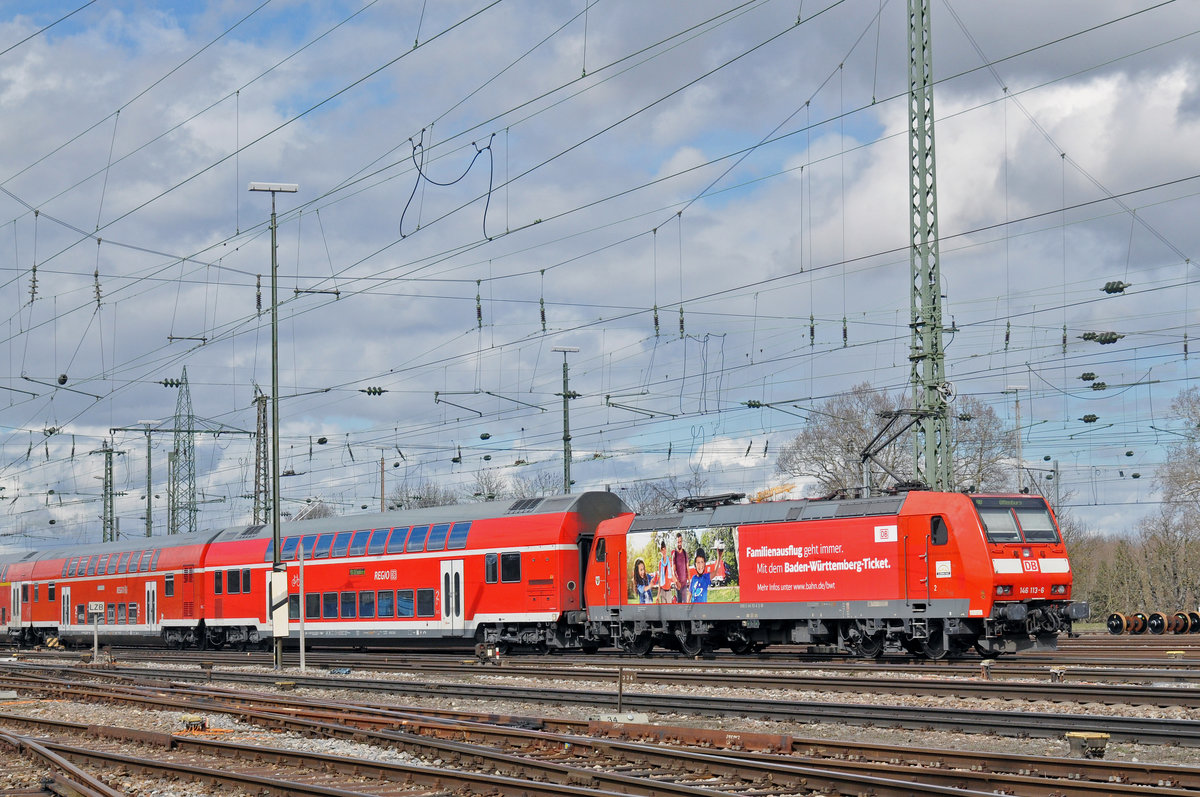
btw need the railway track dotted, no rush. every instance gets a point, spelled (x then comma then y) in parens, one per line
(645, 759)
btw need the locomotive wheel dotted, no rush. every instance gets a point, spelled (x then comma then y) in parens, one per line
(639, 645)
(742, 647)
(870, 647)
(1179, 623)
(1157, 624)
(1117, 624)
(689, 644)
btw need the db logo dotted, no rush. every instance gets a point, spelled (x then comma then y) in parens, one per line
(886, 534)
(1031, 565)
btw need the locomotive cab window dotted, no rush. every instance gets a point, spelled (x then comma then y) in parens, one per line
(510, 567)
(939, 533)
(1036, 525)
(491, 568)
(600, 549)
(999, 524)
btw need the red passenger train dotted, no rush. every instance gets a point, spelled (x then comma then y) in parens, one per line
(934, 573)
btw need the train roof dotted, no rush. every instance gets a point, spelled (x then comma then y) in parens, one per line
(771, 512)
(593, 507)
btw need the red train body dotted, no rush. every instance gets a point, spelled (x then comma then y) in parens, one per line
(933, 572)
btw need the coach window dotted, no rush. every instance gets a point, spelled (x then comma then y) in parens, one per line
(246, 581)
(112, 564)
(50, 592)
(385, 603)
(66, 564)
(312, 605)
(123, 562)
(437, 537)
(169, 585)
(147, 561)
(74, 565)
(310, 542)
(133, 614)
(110, 614)
(35, 592)
(288, 551)
(349, 602)
(341, 543)
(458, 536)
(491, 568)
(24, 593)
(154, 561)
(134, 559)
(293, 607)
(939, 534)
(601, 550)
(426, 603)
(321, 550)
(80, 616)
(378, 542)
(218, 583)
(91, 567)
(366, 604)
(358, 545)
(510, 567)
(102, 566)
(396, 541)
(416, 540)
(329, 605)
(233, 581)
(404, 602)
(121, 614)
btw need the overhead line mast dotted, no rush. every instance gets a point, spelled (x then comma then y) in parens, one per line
(930, 388)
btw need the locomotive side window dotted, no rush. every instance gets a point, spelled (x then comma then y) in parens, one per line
(169, 586)
(287, 551)
(437, 537)
(491, 568)
(329, 605)
(358, 544)
(341, 543)
(510, 567)
(246, 581)
(321, 550)
(1036, 524)
(385, 603)
(396, 540)
(233, 580)
(378, 542)
(600, 549)
(458, 536)
(312, 605)
(366, 604)
(416, 539)
(999, 524)
(426, 603)
(349, 602)
(218, 582)
(939, 534)
(404, 602)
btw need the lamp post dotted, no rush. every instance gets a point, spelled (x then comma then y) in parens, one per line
(278, 574)
(567, 395)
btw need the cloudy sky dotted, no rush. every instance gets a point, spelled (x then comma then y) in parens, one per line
(481, 182)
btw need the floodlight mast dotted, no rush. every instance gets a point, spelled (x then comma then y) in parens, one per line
(277, 566)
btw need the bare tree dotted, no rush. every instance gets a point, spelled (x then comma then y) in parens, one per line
(829, 447)
(981, 444)
(314, 508)
(489, 484)
(661, 495)
(541, 483)
(1179, 476)
(419, 493)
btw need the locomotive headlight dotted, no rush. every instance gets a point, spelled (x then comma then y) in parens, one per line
(1058, 589)
(1004, 589)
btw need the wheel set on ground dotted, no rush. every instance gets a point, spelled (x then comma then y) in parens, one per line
(1154, 623)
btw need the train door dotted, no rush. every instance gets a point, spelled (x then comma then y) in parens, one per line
(16, 605)
(452, 596)
(915, 542)
(152, 606)
(64, 614)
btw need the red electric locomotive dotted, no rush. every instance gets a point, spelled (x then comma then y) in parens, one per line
(933, 573)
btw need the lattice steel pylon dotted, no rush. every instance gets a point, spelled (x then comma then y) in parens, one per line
(108, 521)
(262, 464)
(930, 389)
(182, 496)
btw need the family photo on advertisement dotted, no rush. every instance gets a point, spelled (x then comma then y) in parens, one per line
(688, 566)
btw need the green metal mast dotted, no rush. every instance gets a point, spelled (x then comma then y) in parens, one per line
(930, 389)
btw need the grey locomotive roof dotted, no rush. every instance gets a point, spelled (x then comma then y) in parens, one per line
(770, 512)
(593, 506)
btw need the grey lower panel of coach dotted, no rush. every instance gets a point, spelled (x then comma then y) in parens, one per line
(737, 612)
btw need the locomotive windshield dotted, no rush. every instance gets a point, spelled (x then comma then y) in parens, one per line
(1016, 520)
